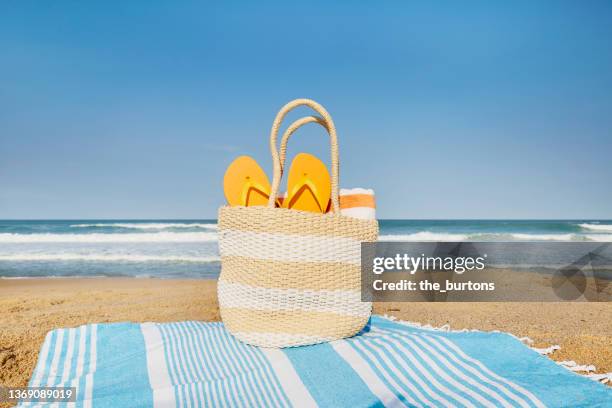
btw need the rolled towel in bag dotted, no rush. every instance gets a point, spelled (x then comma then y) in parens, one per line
(358, 203)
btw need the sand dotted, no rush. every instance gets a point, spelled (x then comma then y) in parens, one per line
(32, 307)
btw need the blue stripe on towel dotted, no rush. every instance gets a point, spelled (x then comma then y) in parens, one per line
(192, 364)
(330, 380)
(125, 370)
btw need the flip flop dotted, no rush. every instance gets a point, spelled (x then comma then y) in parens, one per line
(245, 183)
(308, 184)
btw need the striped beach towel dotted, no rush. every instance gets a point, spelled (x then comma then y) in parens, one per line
(192, 364)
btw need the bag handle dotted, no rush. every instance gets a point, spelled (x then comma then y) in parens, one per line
(324, 120)
(282, 151)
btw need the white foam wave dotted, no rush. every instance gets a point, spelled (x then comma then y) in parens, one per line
(442, 237)
(545, 237)
(600, 237)
(146, 226)
(9, 238)
(108, 258)
(596, 227)
(425, 236)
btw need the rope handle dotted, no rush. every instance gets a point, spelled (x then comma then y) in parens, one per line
(282, 151)
(278, 160)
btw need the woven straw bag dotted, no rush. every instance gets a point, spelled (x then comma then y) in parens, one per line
(288, 277)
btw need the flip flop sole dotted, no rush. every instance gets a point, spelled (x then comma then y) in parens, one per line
(308, 184)
(245, 183)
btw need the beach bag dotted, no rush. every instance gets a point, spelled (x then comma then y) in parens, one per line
(288, 277)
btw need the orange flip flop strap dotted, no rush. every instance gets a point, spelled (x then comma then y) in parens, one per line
(246, 190)
(305, 181)
(248, 187)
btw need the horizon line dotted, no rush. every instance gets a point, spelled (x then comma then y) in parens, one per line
(379, 219)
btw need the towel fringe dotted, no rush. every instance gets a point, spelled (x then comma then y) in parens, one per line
(445, 328)
(573, 366)
(546, 351)
(602, 378)
(582, 370)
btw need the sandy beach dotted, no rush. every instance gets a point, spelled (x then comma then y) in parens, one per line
(32, 307)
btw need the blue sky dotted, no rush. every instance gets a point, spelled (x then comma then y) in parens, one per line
(447, 110)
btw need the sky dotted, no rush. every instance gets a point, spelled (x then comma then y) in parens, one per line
(446, 109)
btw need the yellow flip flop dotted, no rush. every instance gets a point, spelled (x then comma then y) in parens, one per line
(308, 184)
(245, 183)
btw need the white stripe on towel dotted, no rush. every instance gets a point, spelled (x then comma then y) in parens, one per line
(378, 359)
(432, 367)
(68, 358)
(89, 384)
(79, 362)
(163, 393)
(436, 345)
(314, 248)
(517, 387)
(332, 301)
(290, 381)
(59, 342)
(363, 369)
(229, 363)
(81, 357)
(491, 392)
(428, 367)
(67, 364)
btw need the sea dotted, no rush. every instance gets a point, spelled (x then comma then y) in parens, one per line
(189, 248)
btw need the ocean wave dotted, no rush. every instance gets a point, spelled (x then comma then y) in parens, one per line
(425, 236)
(546, 237)
(600, 237)
(596, 227)
(442, 237)
(159, 225)
(108, 258)
(9, 238)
